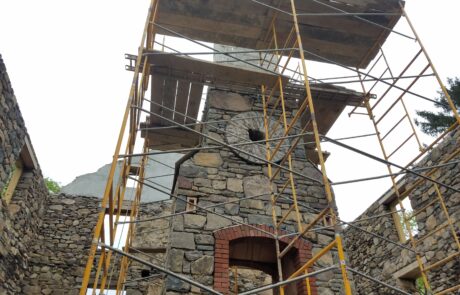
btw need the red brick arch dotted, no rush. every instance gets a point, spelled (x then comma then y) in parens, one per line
(223, 238)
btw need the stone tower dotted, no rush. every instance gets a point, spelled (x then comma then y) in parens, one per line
(205, 243)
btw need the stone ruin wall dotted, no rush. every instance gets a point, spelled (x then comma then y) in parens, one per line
(45, 239)
(21, 218)
(151, 238)
(58, 254)
(383, 260)
(57, 257)
(220, 175)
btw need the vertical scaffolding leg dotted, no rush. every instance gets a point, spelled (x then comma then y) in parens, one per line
(395, 187)
(438, 78)
(273, 198)
(108, 197)
(326, 183)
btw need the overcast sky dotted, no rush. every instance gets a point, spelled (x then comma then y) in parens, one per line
(66, 63)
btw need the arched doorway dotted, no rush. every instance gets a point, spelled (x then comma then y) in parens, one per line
(246, 247)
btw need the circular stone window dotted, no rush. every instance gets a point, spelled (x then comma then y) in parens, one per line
(249, 127)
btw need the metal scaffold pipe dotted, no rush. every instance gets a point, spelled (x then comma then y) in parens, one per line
(161, 269)
(229, 146)
(288, 281)
(386, 162)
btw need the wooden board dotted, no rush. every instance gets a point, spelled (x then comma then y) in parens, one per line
(186, 67)
(196, 91)
(174, 99)
(245, 23)
(169, 98)
(157, 98)
(171, 138)
(183, 89)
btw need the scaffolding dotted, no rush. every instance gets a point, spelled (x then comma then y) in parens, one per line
(282, 55)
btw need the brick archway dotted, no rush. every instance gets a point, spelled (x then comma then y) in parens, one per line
(301, 253)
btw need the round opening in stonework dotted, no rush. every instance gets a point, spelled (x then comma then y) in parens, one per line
(249, 128)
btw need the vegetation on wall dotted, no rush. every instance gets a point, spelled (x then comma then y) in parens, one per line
(52, 186)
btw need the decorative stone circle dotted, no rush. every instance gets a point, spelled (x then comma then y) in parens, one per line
(249, 126)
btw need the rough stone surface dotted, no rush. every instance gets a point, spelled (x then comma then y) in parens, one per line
(45, 238)
(204, 239)
(176, 257)
(383, 260)
(203, 265)
(194, 221)
(256, 185)
(249, 279)
(208, 159)
(215, 221)
(215, 177)
(177, 285)
(21, 219)
(182, 240)
(249, 126)
(235, 185)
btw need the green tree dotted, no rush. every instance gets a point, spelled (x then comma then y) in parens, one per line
(53, 186)
(412, 223)
(436, 122)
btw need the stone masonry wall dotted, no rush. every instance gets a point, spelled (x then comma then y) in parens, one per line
(45, 239)
(12, 127)
(19, 227)
(21, 218)
(386, 261)
(58, 255)
(151, 240)
(221, 175)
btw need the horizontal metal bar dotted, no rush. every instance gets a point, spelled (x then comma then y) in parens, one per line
(394, 126)
(414, 214)
(148, 53)
(229, 146)
(229, 54)
(401, 145)
(365, 20)
(285, 185)
(439, 228)
(202, 208)
(288, 281)
(159, 176)
(378, 236)
(198, 122)
(402, 95)
(142, 279)
(356, 227)
(442, 261)
(339, 12)
(190, 211)
(161, 269)
(347, 14)
(376, 216)
(383, 81)
(216, 146)
(305, 230)
(379, 79)
(315, 258)
(411, 171)
(377, 281)
(283, 218)
(448, 290)
(310, 230)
